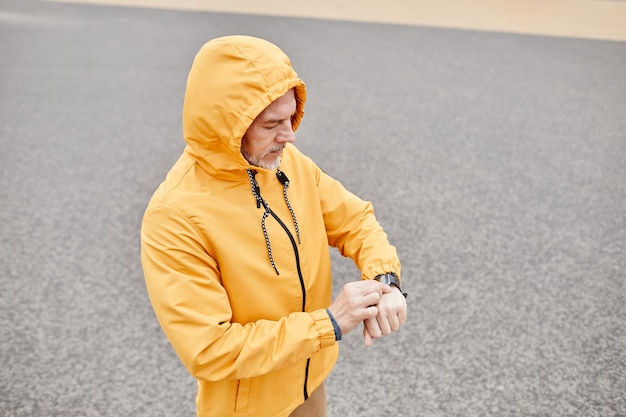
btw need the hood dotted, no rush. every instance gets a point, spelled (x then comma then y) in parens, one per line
(231, 81)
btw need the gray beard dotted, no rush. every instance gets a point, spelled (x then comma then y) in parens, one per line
(260, 163)
(271, 166)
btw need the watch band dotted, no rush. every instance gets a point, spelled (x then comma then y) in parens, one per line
(390, 278)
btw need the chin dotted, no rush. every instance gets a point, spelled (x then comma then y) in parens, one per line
(269, 165)
(263, 162)
(273, 165)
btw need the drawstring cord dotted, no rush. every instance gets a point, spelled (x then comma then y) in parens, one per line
(285, 182)
(256, 192)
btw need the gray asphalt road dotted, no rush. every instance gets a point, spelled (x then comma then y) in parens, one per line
(496, 162)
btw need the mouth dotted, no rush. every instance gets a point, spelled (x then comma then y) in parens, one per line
(276, 151)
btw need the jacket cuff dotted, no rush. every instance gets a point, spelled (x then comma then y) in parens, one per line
(371, 272)
(335, 325)
(324, 327)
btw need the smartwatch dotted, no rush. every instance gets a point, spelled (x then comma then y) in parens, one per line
(391, 279)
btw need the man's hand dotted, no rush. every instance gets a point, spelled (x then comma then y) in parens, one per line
(392, 313)
(358, 301)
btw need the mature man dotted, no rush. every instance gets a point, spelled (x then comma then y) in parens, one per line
(235, 243)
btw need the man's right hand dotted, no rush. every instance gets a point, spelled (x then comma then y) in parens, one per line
(357, 302)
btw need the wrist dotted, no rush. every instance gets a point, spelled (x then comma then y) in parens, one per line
(391, 279)
(336, 327)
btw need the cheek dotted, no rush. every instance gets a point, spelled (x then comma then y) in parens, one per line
(257, 142)
(247, 143)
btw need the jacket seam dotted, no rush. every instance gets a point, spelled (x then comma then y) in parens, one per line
(186, 219)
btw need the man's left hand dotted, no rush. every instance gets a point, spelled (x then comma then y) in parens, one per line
(392, 313)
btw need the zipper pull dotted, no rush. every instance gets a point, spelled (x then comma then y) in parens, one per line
(282, 178)
(257, 194)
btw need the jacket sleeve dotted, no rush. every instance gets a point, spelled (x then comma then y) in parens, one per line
(352, 228)
(192, 307)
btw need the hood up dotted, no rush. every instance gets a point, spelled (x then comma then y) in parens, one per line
(232, 80)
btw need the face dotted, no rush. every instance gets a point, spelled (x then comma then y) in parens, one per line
(263, 143)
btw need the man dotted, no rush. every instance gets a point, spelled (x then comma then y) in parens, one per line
(235, 243)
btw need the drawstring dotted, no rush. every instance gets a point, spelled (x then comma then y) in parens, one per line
(256, 192)
(285, 182)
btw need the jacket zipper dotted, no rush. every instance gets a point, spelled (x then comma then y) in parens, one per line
(259, 200)
(296, 253)
(302, 287)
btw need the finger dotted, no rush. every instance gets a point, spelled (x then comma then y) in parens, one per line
(373, 328)
(368, 313)
(394, 322)
(367, 337)
(384, 288)
(370, 299)
(402, 315)
(366, 285)
(363, 289)
(359, 315)
(383, 323)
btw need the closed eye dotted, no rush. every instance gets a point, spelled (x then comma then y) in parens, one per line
(272, 123)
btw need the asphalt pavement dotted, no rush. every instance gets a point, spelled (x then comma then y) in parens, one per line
(496, 163)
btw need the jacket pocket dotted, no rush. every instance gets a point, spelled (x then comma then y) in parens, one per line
(243, 393)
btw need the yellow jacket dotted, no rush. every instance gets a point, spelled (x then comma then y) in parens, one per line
(246, 314)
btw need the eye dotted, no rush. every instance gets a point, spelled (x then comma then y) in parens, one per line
(270, 125)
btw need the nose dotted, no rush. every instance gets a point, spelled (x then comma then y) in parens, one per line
(286, 133)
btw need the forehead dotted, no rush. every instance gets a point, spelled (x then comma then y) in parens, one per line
(281, 108)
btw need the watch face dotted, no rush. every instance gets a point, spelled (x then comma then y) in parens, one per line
(389, 279)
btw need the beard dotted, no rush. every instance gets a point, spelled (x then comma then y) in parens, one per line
(258, 161)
